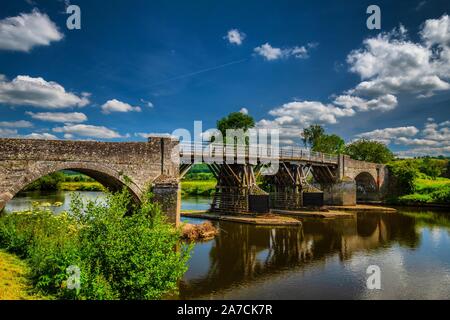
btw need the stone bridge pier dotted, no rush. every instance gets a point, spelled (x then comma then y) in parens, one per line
(356, 181)
(136, 165)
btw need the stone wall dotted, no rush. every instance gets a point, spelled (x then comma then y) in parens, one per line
(114, 164)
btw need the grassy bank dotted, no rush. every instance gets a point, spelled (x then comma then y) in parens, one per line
(116, 251)
(14, 279)
(80, 186)
(198, 187)
(427, 191)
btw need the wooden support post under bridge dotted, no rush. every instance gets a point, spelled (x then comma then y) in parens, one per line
(235, 184)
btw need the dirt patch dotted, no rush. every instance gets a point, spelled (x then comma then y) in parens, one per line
(204, 231)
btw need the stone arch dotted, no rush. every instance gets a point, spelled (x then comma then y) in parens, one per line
(366, 187)
(110, 178)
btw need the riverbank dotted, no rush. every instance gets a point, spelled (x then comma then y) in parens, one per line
(198, 187)
(14, 282)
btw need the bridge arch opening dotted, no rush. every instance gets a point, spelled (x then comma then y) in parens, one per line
(366, 187)
(108, 178)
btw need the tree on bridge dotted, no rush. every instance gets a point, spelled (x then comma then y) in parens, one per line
(371, 151)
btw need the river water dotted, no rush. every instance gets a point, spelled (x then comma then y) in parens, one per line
(323, 259)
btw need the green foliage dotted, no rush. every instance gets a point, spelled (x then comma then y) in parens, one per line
(198, 188)
(432, 167)
(371, 151)
(199, 172)
(405, 174)
(332, 144)
(123, 251)
(49, 182)
(235, 120)
(312, 134)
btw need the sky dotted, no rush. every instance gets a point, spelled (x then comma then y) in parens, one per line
(142, 67)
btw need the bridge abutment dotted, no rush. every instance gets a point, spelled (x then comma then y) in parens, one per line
(340, 193)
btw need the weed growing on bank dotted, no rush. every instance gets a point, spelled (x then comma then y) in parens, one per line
(123, 251)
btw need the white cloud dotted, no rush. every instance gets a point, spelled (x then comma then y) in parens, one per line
(391, 64)
(146, 135)
(16, 124)
(43, 136)
(271, 53)
(85, 130)
(8, 133)
(147, 103)
(72, 117)
(389, 134)
(434, 139)
(234, 36)
(37, 92)
(383, 103)
(26, 31)
(115, 105)
(244, 111)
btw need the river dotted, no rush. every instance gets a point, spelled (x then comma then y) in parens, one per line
(323, 259)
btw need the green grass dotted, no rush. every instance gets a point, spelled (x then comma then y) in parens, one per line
(14, 279)
(198, 187)
(428, 191)
(80, 186)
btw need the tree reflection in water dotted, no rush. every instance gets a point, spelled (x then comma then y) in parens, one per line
(244, 253)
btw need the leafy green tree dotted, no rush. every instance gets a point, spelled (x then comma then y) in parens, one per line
(332, 144)
(235, 120)
(312, 134)
(404, 174)
(432, 167)
(371, 151)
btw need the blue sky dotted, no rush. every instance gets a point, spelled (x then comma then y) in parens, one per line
(139, 67)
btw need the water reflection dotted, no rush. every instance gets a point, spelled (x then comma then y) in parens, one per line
(242, 254)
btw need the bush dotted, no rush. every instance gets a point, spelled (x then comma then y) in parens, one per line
(405, 174)
(123, 252)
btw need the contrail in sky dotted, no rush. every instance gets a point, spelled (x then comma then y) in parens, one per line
(198, 72)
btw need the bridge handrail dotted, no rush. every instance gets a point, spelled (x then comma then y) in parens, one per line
(260, 151)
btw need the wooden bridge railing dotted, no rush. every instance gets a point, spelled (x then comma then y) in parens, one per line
(210, 152)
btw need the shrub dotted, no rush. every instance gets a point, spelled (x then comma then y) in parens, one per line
(405, 174)
(123, 251)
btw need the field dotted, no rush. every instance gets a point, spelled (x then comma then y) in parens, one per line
(198, 187)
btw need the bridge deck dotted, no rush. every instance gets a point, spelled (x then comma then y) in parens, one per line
(210, 153)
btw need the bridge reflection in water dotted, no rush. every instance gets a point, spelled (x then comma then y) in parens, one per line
(242, 254)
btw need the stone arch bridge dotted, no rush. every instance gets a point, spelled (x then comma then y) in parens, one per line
(160, 163)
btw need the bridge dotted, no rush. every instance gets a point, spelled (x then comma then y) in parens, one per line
(161, 162)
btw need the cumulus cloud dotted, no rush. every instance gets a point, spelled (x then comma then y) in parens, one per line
(115, 105)
(37, 92)
(272, 53)
(91, 131)
(234, 36)
(16, 124)
(433, 139)
(383, 103)
(244, 111)
(386, 135)
(71, 117)
(27, 30)
(42, 136)
(392, 64)
(8, 133)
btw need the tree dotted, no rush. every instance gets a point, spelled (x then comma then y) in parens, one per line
(314, 137)
(235, 120)
(312, 134)
(432, 167)
(332, 144)
(371, 151)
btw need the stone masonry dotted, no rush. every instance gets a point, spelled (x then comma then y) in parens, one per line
(138, 165)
